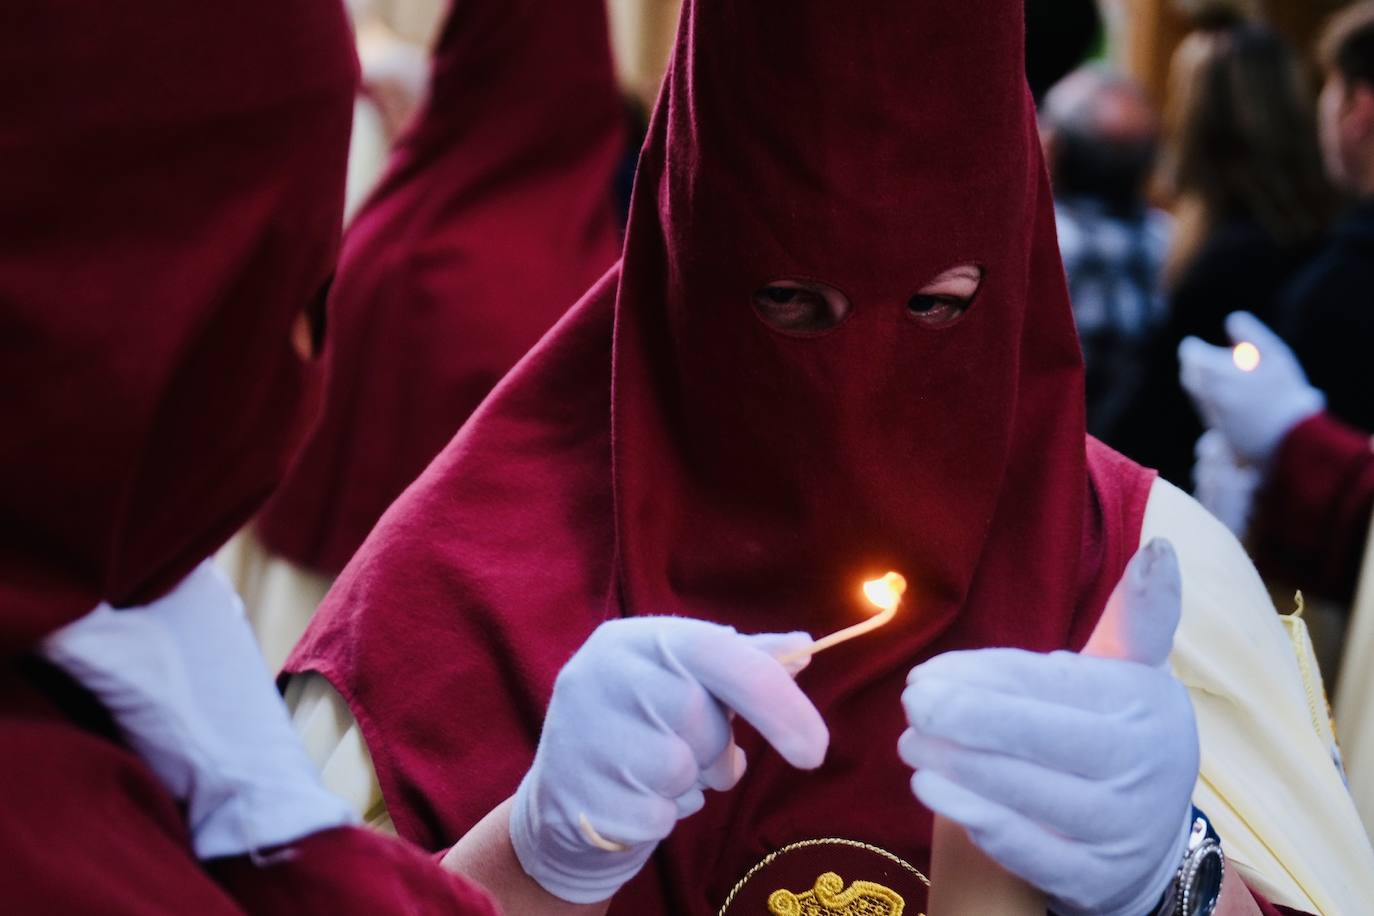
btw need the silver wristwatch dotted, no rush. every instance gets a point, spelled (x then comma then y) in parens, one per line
(1196, 887)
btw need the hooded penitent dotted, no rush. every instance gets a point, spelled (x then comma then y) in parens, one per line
(496, 214)
(171, 207)
(170, 199)
(666, 451)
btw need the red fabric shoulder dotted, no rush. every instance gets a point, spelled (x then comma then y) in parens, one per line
(88, 828)
(349, 871)
(446, 630)
(1119, 491)
(1312, 517)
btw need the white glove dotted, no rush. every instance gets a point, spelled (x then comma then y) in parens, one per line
(1223, 483)
(188, 688)
(1073, 772)
(1253, 410)
(638, 725)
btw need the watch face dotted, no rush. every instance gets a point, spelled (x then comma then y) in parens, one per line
(1204, 890)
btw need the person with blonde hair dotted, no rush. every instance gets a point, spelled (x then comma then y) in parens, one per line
(1243, 170)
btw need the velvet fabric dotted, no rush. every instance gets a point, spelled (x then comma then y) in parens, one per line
(665, 451)
(171, 206)
(172, 189)
(1312, 515)
(496, 214)
(88, 828)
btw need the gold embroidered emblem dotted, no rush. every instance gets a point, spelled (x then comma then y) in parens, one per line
(830, 898)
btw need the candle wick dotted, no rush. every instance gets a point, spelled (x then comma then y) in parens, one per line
(885, 593)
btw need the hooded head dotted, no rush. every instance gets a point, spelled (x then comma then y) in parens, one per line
(496, 213)
(802, 396)
(839, 343)
(172, 196)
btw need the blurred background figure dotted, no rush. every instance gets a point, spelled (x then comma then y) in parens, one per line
(496, 213)
(1304, 475)
(642, 34)
(1287, 461)
(1060, 35)
(1101, 138)
(1145, 33)
(394, 39)
(1327, 313)
(1243, 171)
(1308, 483)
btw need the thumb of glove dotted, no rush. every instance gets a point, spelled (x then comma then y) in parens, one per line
(1143, 612)
(1245, 327)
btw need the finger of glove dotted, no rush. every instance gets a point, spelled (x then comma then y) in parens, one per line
(627, 818)
(1059, 737)
(1144, 610)
(1214, 450)
(698, 718)
(667, 767)
(1019, 845)
(783, 645)
(1059, 678)
(1064, 802)
(1243, 326)
(1197, 353)
(725, 771)
(689, 803)
(753, 684)
(1203, 369)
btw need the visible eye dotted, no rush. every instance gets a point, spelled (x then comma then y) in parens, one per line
(801, 307)
(946, 298)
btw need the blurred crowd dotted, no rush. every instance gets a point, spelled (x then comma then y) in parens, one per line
(1242, 181)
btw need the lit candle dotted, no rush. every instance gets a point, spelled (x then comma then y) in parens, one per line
(1246, 356)
(885, 594)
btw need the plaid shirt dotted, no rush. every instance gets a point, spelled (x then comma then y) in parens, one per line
(1115, 271)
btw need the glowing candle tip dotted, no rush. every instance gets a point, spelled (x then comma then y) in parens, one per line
(886, 593)
(1246, 356)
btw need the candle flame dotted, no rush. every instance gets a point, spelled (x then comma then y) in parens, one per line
(886, 593)
(1246, 356)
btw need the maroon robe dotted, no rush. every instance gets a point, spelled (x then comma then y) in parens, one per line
(172, 190)
(1312, 516)
(495, 215)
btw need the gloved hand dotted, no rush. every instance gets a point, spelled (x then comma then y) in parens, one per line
(1074, 772)
(1223, 483)
(188, 688)
(1253, 410)
(638, 726)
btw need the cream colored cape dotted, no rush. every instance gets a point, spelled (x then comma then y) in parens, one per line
(1269, 781)
(278, 596)
(1355, 693)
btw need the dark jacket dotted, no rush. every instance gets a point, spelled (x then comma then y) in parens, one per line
(1239, 267)
(1328, 318)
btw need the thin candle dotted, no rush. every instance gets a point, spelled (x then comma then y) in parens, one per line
(884, 593)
